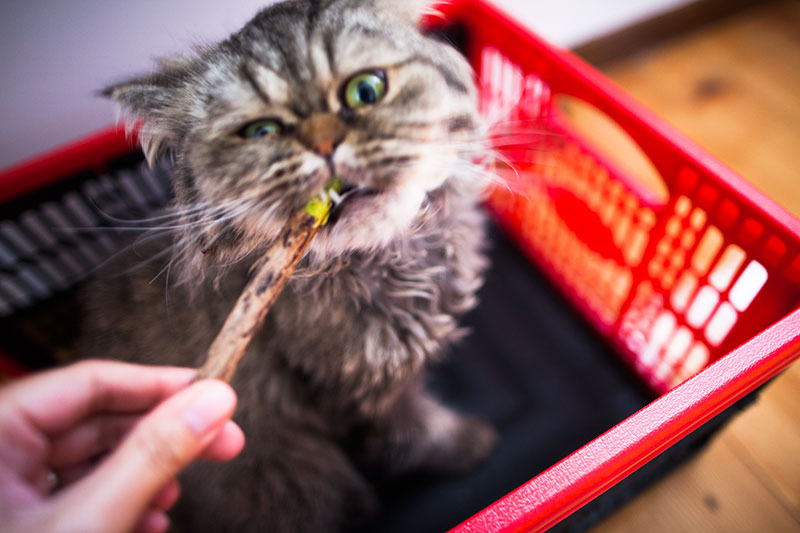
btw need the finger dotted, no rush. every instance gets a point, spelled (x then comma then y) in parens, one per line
(15, 494)
(76, 454)
(154, 521)
(227, 444)
(22, 447)
(167, 497)
(90, 438)
(162, 444)
(56, 400)
(72, 474)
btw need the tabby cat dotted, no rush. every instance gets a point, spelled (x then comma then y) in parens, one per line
(332, 386)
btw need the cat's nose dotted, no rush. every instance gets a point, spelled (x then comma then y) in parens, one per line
(322, 133)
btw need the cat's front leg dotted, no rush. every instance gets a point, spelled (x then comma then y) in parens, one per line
(287, 479)
(419, 433)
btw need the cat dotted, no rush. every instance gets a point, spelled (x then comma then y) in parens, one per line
(332, 386)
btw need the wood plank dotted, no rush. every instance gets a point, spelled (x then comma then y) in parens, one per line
(655, 30)
(767, 439)
(715, 493)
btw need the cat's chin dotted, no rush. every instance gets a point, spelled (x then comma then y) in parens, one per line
(369, 222)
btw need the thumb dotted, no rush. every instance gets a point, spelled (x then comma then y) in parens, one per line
(165, 441)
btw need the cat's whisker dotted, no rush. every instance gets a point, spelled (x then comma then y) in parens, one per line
(172, 213)
(166, 269)
(209, 212)
(482, 171)
(111, 218)
(527, 138)
(167, 251)
(527, 122)
(238, 258)
(110, 259)
(462, 169)
(149, 234)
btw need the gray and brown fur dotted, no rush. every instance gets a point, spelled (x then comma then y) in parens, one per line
(332, 383)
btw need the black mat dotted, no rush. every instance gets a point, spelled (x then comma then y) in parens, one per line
(536, 370)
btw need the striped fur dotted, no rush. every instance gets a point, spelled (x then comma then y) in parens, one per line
(290, 63)
(342, 354)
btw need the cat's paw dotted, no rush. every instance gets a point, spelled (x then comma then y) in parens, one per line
(469, 445)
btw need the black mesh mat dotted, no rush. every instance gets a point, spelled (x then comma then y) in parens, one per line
(536, 370)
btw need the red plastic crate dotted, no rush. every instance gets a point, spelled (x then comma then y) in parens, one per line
(701, 279)
(706, 274)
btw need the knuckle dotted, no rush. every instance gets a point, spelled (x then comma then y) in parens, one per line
(84, 366)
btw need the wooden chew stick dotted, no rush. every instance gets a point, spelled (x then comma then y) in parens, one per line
(262, 290)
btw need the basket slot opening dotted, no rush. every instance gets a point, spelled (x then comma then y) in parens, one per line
(614, 145)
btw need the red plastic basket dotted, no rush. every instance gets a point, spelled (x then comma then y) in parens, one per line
(709, 273)
(697, 288)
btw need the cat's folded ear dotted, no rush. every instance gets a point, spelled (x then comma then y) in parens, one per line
(151, 104)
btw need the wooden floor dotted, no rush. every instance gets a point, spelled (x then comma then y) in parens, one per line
(734, 88)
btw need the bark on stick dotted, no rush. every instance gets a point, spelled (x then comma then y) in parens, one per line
(262, 290)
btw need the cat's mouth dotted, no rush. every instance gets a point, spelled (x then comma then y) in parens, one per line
(346, 197)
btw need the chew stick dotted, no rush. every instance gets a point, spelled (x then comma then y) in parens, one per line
(262, 290)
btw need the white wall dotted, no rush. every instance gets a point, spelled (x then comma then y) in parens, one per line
(572, 22)
(57, 54)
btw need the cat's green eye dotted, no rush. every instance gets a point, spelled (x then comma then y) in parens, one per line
(364, 89)
(261, 128)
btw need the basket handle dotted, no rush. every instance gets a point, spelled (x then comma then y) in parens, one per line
(614, 146)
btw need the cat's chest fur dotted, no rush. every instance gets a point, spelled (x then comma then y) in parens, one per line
(354, 334)
(341, 340)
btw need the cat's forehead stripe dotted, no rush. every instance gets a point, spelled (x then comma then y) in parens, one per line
(328, 40)
(450, 77)
(245, 70)
(321, 62)
(269, 83)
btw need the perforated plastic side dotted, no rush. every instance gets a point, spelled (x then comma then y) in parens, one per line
(674, 286)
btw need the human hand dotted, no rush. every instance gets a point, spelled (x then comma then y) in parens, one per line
(96, 446)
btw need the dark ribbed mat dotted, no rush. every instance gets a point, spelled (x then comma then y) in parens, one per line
(536, 370)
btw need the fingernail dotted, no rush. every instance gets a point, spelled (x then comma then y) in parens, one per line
(212, 404)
